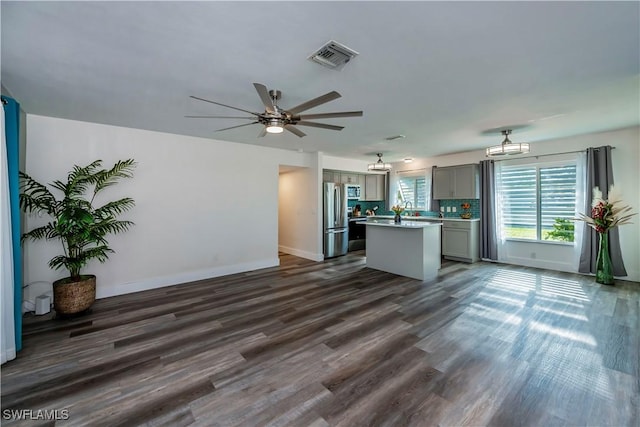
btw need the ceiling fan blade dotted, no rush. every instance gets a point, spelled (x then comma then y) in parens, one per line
(219, 117)
(224, 105)
(330, 115)
(294, 130)
(264, 96)
(263, 132)
(314, 102)
(319, 125)
(233, 127)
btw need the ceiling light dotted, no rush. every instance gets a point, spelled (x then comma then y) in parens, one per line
(507, 147)
(275, 126)
(408, 160)
(379, 165)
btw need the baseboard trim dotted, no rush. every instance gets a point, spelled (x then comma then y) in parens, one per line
(302, 254)
(546, 264)
(185, 277)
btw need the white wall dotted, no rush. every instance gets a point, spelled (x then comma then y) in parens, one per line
(342, 164)
(204, 208)
(299, 213)
(626, 175)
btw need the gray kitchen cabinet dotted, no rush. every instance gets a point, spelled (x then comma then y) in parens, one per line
(330, 176)
(461, 240)
(456, 182)
(349, 178)
(374, 187)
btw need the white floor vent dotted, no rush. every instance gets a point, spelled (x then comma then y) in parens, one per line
(333, 55)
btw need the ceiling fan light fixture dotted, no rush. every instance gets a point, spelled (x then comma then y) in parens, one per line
(275, 126)
(380, 165)
(507, 147)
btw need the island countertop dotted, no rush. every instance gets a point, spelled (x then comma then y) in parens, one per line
(420, 218)
(404, 224)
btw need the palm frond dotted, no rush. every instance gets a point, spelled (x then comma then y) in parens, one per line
(112, 226)
(115, 208)
(122, 169)
(35, 197)
(99, 252)
(80, 178)
(44, 232)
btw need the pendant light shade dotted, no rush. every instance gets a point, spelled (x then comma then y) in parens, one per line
(507, 147)
(275, 126)
(379, 165)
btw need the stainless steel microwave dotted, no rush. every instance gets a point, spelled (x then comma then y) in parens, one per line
(353, 192)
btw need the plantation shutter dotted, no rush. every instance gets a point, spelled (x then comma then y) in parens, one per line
(414, 190)
(557, 194)
(519, 202)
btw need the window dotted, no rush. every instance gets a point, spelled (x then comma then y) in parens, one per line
(414, 189)
(538, 201)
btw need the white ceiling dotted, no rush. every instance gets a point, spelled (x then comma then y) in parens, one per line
(448, 75)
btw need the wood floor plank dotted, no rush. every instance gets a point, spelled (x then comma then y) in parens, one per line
(336, 343)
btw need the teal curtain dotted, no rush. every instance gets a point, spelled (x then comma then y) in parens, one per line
(12, 126)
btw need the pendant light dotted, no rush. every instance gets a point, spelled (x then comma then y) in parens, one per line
(275, 126)
(507, 147)
(379, 165)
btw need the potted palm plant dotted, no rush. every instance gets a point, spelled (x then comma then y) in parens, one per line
(80, 227)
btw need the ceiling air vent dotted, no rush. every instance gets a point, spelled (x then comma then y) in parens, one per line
(333, 55)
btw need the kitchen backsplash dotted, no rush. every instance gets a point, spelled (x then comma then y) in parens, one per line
(368, 205)
(475, 207)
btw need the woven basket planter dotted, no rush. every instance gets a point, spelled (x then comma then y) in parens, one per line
(74, 297)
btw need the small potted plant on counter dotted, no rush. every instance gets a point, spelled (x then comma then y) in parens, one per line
(397, 209)
(78, 225)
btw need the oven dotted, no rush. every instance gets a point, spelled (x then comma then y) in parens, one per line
(357, 233)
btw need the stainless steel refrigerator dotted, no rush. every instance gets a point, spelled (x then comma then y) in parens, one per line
(336, 221)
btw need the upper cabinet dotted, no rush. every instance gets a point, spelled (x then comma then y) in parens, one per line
(349, 178)
(374, 187)
(456, 182)
(330, 176)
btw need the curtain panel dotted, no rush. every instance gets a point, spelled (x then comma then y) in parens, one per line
(488, 229)
(11, 276)
(599, 174)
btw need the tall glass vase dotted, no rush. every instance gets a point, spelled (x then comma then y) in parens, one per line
(604, 268)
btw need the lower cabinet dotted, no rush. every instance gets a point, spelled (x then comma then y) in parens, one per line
(461, 240)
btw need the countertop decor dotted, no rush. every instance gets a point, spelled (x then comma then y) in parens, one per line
(397, 209)
(466, 210)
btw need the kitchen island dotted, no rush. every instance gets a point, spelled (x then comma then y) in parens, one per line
(411, 248)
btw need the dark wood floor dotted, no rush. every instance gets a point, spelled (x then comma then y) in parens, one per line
(335, 343)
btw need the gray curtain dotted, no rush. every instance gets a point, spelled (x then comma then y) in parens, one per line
(434, 205)
(599, 174)
(488, 237)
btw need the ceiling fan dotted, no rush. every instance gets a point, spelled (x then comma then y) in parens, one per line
(276, 119)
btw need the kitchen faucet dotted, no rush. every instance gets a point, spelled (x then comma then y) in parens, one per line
(405, 206)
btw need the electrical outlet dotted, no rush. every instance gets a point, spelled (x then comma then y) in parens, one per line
(441, 208)
(454, 209)
(448, 208)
